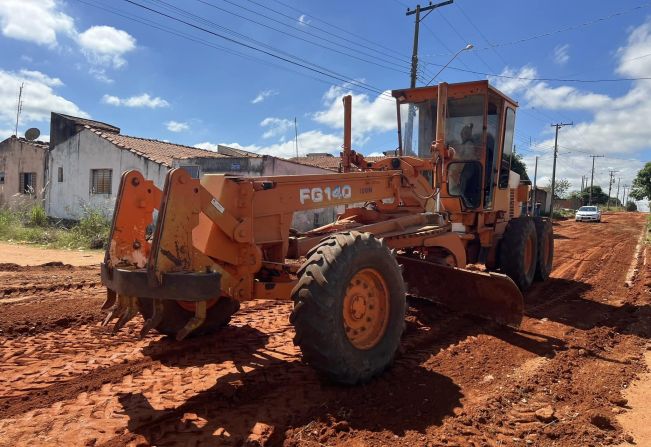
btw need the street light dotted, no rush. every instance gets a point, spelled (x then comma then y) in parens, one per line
(466, 48)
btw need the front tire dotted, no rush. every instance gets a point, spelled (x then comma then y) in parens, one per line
(545, 235)
(518, 252)
(349, 307)
(175, 315)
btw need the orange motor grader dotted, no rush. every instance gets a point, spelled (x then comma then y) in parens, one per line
(412, 224)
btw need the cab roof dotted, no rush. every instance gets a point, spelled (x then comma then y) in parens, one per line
(454, 89)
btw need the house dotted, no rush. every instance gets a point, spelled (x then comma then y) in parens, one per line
(328, 161)
(542, 196)
(22, 170)
(87, 158)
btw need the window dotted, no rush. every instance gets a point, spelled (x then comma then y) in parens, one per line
(100, 181)
(2, 178)
(60, 174)
(27, 183)
(507, 148)
(192, 170)
(418, 122)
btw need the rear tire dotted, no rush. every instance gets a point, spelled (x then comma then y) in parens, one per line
(175, 317)
(518, 252)
(349, 307)
(545, 235)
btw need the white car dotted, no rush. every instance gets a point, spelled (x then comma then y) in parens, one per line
(588, 214)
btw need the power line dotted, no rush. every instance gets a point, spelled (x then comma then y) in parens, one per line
(545, 79)
(289, 59)
(160, 27)
(359, 36)
(568, 28)
(389, 67)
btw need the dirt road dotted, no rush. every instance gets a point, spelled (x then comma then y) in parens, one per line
(458, 381)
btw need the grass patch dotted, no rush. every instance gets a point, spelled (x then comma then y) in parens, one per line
(31, 225)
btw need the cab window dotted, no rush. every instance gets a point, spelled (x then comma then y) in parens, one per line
(507, 148)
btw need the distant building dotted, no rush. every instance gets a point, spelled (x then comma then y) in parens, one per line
(328, 161)
(87, 158)
(22, 170)
(543, 197)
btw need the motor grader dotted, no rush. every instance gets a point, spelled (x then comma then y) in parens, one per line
(411, 224)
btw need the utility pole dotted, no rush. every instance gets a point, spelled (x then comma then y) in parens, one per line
(610, 185)
(592, 176)
(409, 125)
(557, 126)
(618, 180)
(535, 189)
(19, 107)
(624, 197)
(414, 54)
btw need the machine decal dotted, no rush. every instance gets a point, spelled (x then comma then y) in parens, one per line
(317, 195)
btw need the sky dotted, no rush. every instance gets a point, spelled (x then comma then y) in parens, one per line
(239, 72)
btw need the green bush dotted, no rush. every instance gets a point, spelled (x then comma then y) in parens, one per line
(37, 216)
(32, 226)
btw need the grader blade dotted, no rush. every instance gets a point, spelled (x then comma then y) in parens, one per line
(488, 295)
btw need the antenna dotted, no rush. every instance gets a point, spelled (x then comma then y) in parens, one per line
(296, 137)
(32, 133)
(19, 106)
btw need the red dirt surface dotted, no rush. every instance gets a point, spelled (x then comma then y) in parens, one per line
(458, 381)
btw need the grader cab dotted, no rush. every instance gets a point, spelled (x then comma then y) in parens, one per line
(412, 224)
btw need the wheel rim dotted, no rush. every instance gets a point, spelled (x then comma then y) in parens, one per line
(528, 254)
(366, 309)
(192, 306)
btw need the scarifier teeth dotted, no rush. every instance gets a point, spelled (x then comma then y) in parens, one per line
(110, 299)
(115, 312)
(130, 310)
(194, 322)
(154, 320)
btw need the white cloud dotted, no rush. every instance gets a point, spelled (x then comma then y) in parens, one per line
(36, 21)
(276, 127)
(264, 95)
(310, 141)
(143, 100)
(208, 146)
(368, 115)
(175, 126)
(39, 98)
(561, 54)
(541, 94)
(303, 20)
(100, 74)
(42, 22)
(574, 165)
(41, 77)
(105, 45)
(618, 126)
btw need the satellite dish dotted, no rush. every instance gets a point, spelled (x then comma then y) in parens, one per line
(32, 133)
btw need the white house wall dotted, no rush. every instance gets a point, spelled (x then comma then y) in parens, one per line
(78, 155)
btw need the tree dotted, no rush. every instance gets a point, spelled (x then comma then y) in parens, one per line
(560, 188)
(642, 183)
(519, 167)
(631, 206)
(598, 196)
